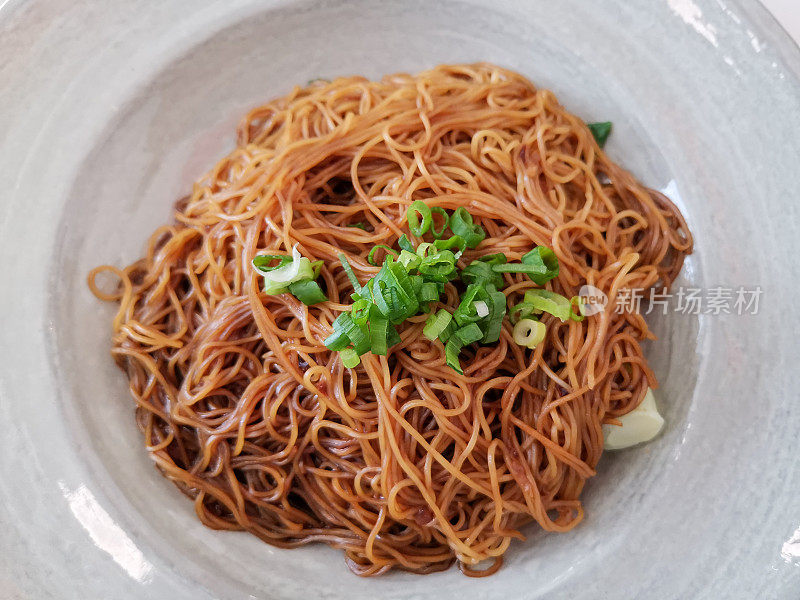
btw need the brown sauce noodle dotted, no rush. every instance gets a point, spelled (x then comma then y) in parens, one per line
(400, 462)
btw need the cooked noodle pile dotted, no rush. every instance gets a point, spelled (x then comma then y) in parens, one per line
(400, 462)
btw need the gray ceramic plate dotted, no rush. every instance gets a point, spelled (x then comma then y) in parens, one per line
(109, 110)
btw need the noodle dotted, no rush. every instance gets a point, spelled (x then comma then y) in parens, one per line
(400, 462)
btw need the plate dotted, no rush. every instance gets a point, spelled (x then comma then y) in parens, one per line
(111, 110)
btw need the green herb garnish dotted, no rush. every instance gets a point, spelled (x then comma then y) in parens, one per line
(294, 274)
(600, 131)
(419, 218)
(540, 264)
(462, 224)
(411, 280)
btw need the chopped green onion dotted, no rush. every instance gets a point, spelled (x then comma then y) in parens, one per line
(481, 272)
(338, 340)
(494, 322)
(474, 239)
(576, 315)
(425, 248)
(308, 292)
(520, 311)
(357, 334)
(358, 225)
(444, 336)
(466, 311)
(379, 328)
(540, 264)
(350, 274)
(394, 292)
(451, 351)
(537, 301)
(410, 280)
(600, 131)
(437, 233)
(439, 266)
(546, 263)
(392, 337)
(365, 293)
(493, 259)
(428, 292)
(436, 324)
(296, 268)
(316, 267)
(405, 244)
(529, 333)
(346, 331)
(360, 311)
(462, 224)
(371, 255)
(350, 358)
(416, 284)
(419, 210)
(262, 261)
(385, 302)
(455, 241)
(410, 260)
(513, 268)
(468, 334)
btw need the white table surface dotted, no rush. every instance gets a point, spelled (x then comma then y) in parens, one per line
(788, 14)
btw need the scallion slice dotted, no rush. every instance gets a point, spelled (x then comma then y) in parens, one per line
(444, 336)
(481, 272)
(425, 248)
(454, 241)
(405, 243)
(262, 262)
(346, 331)
(350, 358)
(419, 218)
(316, 267)
(436, 324)
(410, 260)
(338, 340)
(439, 266)
(540, 264)
(438, 210)
(358, 336)
(546, 263)
(537, 301)
(494, 322)
(462, 224)
(277, 279)
(378, 328)
(360, 311)
(466, 311)
(451, 351)
(392, 337)
(481, 308)
(308, 292)
(600, 131)
(468, 334)
(576, 308)
(428, 292)
(349, 272)
(371, 255)
(529, 333)
(493, 259)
